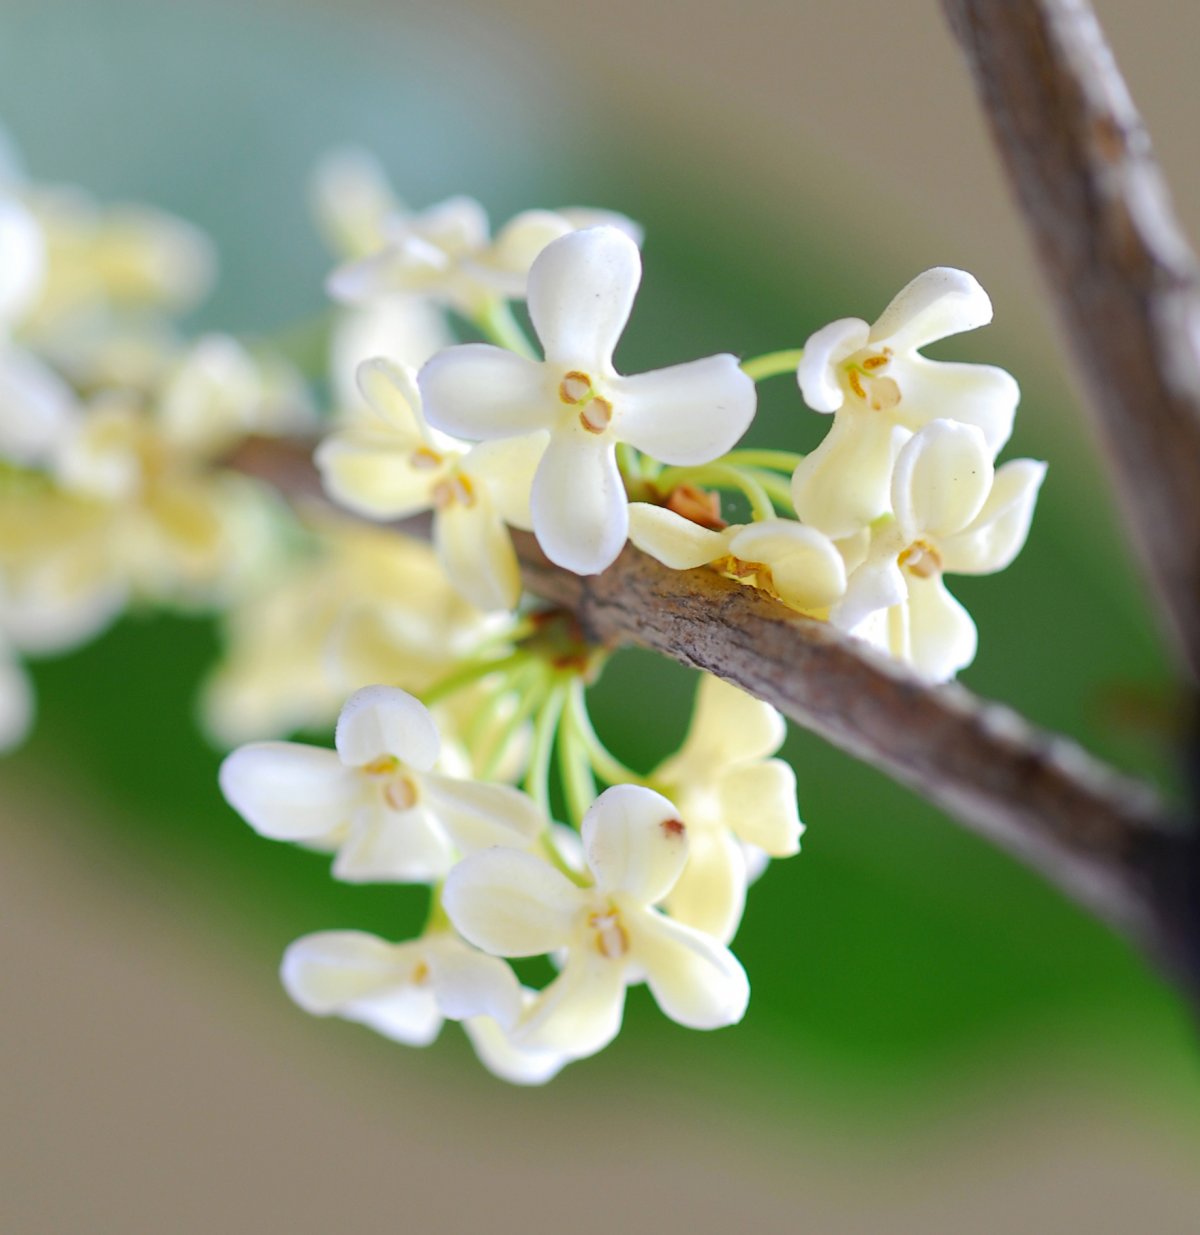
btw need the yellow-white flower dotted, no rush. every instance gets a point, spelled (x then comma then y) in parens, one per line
(512, 903)
(375, 799)
(875, 381)
(739, 804)
(796, 564)
(406, 991)
(395, 466)
(955, 513)
(581, 292)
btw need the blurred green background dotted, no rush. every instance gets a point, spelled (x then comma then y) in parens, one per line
(935, 1040)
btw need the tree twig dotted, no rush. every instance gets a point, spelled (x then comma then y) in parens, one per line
(1101, 837)
(1118, 266)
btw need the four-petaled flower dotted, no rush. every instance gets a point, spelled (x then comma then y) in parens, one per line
(512, 903)
(581, 291)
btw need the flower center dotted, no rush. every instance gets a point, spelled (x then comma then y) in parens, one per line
(866, 378)
(610, 937)
(921, 559)
(577, 390)
(455, 490)
(399, 792)
(756, 574)
(425, 460)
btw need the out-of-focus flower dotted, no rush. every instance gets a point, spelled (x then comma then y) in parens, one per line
(874, 379)
(581, 291)
(375, 800)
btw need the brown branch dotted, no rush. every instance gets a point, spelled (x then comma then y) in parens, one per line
(1118, 266)
(1097, 835)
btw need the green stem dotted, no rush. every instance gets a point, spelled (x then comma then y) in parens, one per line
(537, 775)
(721, 477)
(604, 763)
(575, 770)
(777, 460)
(779, 489)
(530, 700)
(497, 323)
(473, 671)
(773, 364)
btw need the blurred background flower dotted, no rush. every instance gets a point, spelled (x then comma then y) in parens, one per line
(935, 1040)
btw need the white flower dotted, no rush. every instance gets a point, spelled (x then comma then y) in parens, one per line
(511, 903)
(875, 379)
(395, 466)
(733, 795)
(405, 991)
(376, 799)
(953, 513)
(581, 291)
(16, 699)
(796, 564)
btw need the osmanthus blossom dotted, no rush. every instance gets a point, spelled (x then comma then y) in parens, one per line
(608, 935)
(376, 800)
(797, 565)
(875, 381)
(406, 991)
(16, 699)
(739, 803)
(394, 466)
(953, 513)
(581, 292)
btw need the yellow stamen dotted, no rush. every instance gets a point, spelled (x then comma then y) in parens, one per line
(921, 559)
(612, 940)
(400, 794)
(576, 387)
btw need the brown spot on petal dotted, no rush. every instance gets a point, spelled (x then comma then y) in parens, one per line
(673, 829)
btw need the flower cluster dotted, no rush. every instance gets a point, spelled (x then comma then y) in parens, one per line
(465, 760)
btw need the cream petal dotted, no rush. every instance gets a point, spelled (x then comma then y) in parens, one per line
(22, 259)
(286, 791)
(471, 983)
(758, 804)
(580, 1012)
(480, 392)
(391, 389)
(456, 225)
(373, 474)
(363, 978)
(877, 584)
(972, 394)
(391, 846)
(38, 411)
(938, 303)
(581, 291)
(824, 351)
(580, 513)
(478, 815)
(711, 892)
(728, 727)
(998, 532)
(942, 635)
(510, 903)
(395, 268)
(694, 979)
(806, 569)
(688, 413)
(477, 554)
(843, 485)
(16, 702)
(351, 198)
(673, 540)
(507, 469)
(942, 478)
(384, 720)
(635, 842)
(501, 1058)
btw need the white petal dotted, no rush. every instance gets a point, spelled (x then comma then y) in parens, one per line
(351, 197)
(694, 980)
(824, 351)
(507, 469)
(877, 584)
(758, 803)
(22, 259)
(635, 842)
(391, 846)
(998, 532)
(391, 390)
(477, 554)
(843, 485)
(37, 408)
(807, 571)
(287, 791)
(456, 225)
(384, 720)
(711, 892)
(673, 540)
(973, 394)
(373, 474)
(942, 478)
(510, 903)
(498, 1054)
(687, 414)
(578, 503)
(480, 392)
(942, 636)
(580, 1012)
(478, 815)
(728, 727)
(581, 290)
(16, 702)
(471, 983)
(936, 304)
(362, 978)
